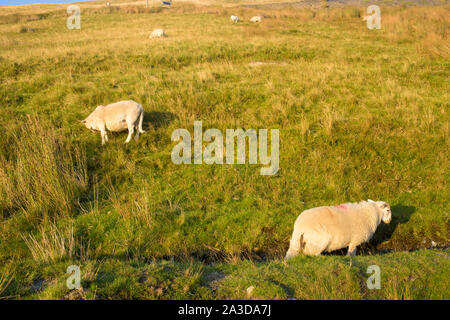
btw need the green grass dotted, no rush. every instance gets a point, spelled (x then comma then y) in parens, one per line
(420, 274)
(362, 114)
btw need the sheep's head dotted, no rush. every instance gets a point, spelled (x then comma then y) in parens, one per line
(385, 209)
(88, 123)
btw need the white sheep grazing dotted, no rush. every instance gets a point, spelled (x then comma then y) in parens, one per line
(158, 33)
(336, 227)
(235, 19)
(116, 117)
(256, 19)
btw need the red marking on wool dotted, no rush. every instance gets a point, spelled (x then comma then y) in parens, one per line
(341, 206)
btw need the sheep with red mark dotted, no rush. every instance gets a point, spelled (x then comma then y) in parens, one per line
(335, 227)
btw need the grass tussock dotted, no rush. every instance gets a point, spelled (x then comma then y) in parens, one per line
(42, 173)
(51, 244)
(6, 278)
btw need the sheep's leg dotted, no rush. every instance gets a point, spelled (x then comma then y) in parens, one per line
(351, 250)
(136, 137)
(103, 135)
(130, 131)
(314, 245)
(315, 249)
(141, 120)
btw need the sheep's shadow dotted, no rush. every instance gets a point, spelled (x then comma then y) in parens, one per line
(158, 119)
(400, 215)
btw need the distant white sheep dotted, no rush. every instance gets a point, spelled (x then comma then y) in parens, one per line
(235, 19)
(158, 33)
(256, 19)
(336, 227)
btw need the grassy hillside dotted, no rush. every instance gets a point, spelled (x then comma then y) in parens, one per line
(362, 114)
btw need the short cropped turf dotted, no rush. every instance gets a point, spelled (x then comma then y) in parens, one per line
(361, 114)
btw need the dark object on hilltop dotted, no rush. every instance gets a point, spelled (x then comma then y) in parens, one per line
(25, 29)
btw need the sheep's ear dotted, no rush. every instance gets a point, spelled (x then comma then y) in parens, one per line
(83, 121)
(371, 201)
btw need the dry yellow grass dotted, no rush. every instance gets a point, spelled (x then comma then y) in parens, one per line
(51, 244)
(5, 279)
(42, 173)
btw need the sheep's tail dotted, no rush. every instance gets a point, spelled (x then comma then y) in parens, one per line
(141, 120)
(293, 251)
(302, 244)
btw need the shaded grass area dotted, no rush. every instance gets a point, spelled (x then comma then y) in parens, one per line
(362, 114)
